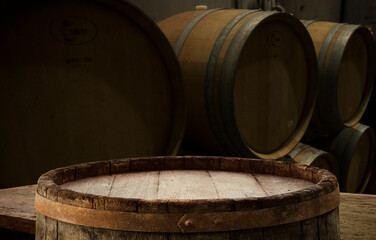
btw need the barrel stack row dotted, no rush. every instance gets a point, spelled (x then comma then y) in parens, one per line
(346, 76)
(257, 83)
(236, 82)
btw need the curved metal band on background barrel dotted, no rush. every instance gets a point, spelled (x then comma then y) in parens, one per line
(333, 70)
(210, 75)
(297, 150)
(184, 34)
(227, 79)
(309, 22)
(321, 65)
(310, 156)
(188, 222)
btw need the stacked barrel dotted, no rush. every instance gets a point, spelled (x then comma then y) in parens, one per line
(250, 80)
(255, 80)
(345, 77)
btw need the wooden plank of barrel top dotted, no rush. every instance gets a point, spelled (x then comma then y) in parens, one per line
(187, 198)
(305, 154)
(345, 58)
(355, 150)
(241, 79)
(83, 81)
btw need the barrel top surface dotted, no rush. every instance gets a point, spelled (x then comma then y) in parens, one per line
(187, 185)
(92, 80)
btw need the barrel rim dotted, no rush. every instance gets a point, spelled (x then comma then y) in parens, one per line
(51, 199)
(49, 183)
(227, 79)
(165, 50)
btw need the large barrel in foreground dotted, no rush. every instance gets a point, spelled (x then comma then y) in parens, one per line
(83, 81)
(250, 79)
(355, 150)
(345, 58)
(187, 198)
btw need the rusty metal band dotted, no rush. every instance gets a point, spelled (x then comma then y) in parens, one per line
(188, 222)
(210, 77)
(184, 34)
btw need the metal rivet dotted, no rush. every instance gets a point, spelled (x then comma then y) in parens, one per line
(188, 223)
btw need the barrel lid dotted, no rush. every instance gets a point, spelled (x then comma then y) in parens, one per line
(68, 192)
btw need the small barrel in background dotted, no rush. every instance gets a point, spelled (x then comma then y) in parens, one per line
(345, 58)
(245, 94)
(354, 148)
(305, 154)
(187, 198)
(83, 81)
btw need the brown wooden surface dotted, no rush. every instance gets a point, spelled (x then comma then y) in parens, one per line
(357, 213)
(17, 210)
(100, 85)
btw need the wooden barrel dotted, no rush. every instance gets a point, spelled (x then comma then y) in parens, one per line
(345, 58)
(308, 155)
(242, 81)
(84, 81)
(187, 198)
(354, 149)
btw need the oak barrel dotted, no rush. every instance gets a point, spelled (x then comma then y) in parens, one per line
(187, 198)
(308, 155)
(83, 81)
(345, 58)
(354, 148)
(247, 74)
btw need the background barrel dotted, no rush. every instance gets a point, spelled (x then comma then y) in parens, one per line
(354, 149)
(305, 154)
(245, 94)
(345, 58)
(83, 81)
(187, 198)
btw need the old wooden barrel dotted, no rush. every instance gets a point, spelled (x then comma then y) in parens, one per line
(187, 198)
(308, 155)
(83, 81)
(345, 58)
(242, 81)
(355, 150)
